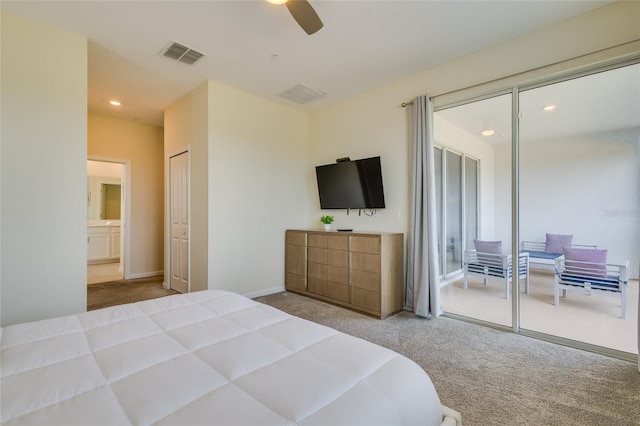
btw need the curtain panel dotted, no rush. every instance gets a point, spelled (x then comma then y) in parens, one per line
(422, 285)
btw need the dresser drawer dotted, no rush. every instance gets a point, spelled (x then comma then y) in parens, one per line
(317, 286)
(317, 255)
(338, 274)
(296, 238)
(296, 260)
(317, 270)
(365, 280)
(362, 244)
(365, 299)
(365, 262)
(296, 282)
(338, 291)
(317, 240)
(338, 258)
(338, 242)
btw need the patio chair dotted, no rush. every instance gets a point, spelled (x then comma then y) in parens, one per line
(492, 264)
(587, 271)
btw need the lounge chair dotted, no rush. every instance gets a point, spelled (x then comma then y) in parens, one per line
(495, 266)
(586, 270)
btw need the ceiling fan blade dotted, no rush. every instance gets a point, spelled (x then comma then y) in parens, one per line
(304, 15)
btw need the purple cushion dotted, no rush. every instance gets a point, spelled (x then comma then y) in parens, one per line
(493, 247)
(556, 242)
(575, 256)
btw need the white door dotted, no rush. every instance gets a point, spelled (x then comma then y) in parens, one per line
(179, 219)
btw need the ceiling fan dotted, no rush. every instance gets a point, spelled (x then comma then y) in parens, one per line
(303, 13)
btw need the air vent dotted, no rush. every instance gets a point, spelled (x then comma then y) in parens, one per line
(181, 53)
(302, 94)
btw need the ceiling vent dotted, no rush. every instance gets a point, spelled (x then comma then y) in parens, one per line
(181, 53)
(302, 94)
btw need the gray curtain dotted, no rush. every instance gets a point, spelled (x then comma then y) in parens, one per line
(422, 286)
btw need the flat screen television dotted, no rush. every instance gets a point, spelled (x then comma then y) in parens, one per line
(353, 184)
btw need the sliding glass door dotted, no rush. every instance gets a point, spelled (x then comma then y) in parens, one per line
(577, 177)
(580, 186)
(475, 198)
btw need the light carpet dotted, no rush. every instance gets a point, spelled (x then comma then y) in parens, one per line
(493, 377)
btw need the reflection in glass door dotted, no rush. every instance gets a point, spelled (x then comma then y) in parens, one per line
(439, 210)
(453, 212)
(471, 200)
(475, 202)
(456, 200)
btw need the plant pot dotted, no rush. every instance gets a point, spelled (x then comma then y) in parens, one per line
(327, 227)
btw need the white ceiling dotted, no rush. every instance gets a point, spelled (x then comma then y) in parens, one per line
(596, 103)
(258, 47)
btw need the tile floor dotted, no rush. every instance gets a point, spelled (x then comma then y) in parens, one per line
(592, 319)
(103, 272)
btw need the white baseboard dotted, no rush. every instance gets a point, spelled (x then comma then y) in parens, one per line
(103, 261)
(265, 292)
(145, 275)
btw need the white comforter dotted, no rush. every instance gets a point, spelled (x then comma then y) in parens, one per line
(208, 357)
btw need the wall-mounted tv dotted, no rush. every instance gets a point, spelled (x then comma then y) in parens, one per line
(350, 184)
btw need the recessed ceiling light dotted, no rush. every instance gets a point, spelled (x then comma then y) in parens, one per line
(488, 132)
(115, 103)
(277, 1)
(548, 107)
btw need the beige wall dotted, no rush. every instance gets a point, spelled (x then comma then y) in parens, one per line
(43, 171)
(186, 126)
(142, 145)
(257, 173)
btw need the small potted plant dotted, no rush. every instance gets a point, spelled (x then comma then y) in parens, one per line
(327, 220)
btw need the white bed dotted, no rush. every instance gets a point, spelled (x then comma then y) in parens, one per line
(209, 357)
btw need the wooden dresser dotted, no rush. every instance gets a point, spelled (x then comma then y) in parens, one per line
(359, 271)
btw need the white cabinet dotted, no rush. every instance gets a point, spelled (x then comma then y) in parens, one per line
(115, 242)
(103, 243)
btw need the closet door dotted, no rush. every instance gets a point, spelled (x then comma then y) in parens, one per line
(179, 219)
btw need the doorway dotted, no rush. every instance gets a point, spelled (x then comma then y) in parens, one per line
(108, 218)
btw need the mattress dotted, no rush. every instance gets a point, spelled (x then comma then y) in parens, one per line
(209, 357)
